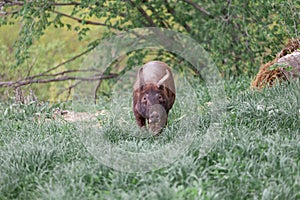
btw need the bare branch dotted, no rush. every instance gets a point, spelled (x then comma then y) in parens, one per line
(69, 89)
(32, 65)
(57, 79)
(61, 64)
(117, 62)
(62, 73)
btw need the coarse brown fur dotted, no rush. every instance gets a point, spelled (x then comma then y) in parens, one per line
(153, 95)
(267, 76)
(141, 108)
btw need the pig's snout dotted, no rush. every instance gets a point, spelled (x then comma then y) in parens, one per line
(154, 117)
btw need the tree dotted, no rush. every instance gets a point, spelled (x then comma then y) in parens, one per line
(239, 35)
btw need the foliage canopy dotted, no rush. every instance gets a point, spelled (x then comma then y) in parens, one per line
(239, 35)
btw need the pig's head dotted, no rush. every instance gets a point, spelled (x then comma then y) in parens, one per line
(152, 102)
(153, 95)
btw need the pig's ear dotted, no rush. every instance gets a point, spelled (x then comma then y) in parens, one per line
(164, 78)
(141, 79)
(161, 87)
(141, 88)
(171, 100)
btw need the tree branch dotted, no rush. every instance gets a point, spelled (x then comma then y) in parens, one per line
(61, 64)
(62, 73)
(74, 3)
(79, 20)
(117, 62)
(158, 17)
(69, 89)
(172, 12)
(88, 22)
(195, 5)
(144, 14)
(17, 84)
(21, 3)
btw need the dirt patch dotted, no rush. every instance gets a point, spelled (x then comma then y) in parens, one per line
(72, 116)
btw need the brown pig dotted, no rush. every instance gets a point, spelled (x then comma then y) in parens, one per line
(153, 95)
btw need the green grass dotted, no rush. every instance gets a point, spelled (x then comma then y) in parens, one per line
(256, 157)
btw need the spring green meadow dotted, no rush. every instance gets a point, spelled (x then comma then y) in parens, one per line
(255, 157)
(255, 153)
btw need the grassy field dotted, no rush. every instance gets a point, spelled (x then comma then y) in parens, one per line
(257, 154)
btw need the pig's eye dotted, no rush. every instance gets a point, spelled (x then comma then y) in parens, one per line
(144, 99)
(159, 97)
